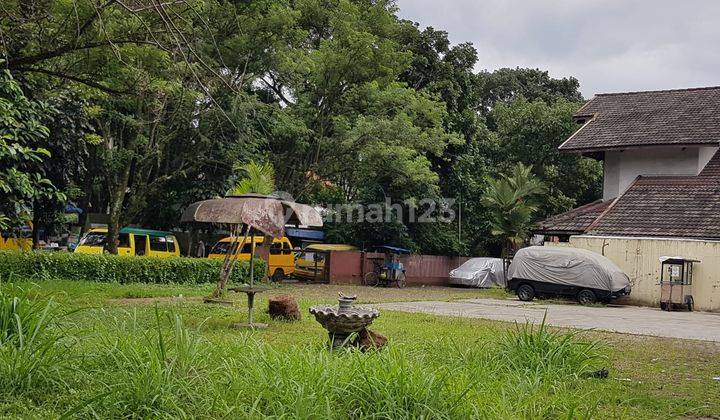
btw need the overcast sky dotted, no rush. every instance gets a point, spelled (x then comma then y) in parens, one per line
(609, 45)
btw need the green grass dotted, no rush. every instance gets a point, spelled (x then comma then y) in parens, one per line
(115, 351)
(32, 347)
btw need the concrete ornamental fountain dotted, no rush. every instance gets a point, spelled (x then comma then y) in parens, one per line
(343, 320)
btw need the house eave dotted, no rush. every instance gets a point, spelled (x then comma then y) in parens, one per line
(583, 150)
(556, 232)
(648, 237)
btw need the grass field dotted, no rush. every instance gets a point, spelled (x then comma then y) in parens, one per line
(109, 351)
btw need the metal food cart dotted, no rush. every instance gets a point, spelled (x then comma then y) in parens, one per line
(676, 278)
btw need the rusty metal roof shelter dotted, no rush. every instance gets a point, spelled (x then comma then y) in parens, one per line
(267, 213)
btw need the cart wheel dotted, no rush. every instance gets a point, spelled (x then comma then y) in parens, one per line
(525, 292)
(690, 303)
(401, 280)
(371, 279)
(664, 306)
(586, 297)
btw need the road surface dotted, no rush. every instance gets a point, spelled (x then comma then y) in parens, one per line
(622, 319)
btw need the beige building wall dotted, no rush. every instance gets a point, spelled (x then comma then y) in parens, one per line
(622, 167)
(639, 258)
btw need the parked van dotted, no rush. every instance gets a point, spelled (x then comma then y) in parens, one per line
(9, 242)
(132, 241)
(281, 261)
(310, 264)
(574, 272)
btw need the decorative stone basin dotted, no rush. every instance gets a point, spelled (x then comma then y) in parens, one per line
(344, 319)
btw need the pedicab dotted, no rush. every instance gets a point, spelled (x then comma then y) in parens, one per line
(387, 270)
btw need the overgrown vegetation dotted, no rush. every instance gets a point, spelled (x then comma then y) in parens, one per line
(185, 360)
(168, 370)
(118, 269)
(33, 350)
(21, 176)
(542, 354)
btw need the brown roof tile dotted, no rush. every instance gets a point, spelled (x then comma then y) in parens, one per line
(574, 221)
(667, 206)
(669, 117)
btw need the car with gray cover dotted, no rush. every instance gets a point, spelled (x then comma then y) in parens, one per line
(558, 271)
(483, 272)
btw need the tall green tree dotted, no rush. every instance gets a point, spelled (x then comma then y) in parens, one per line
(71, 136)
(21, 176)
(147, 71)
(348, 102)
(507, 85)
(530, 132)
(475, 102)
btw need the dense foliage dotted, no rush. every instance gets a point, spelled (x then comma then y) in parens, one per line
(347, 102)
(21, 159)
(117, 269)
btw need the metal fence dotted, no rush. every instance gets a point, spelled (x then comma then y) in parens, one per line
(349, 267)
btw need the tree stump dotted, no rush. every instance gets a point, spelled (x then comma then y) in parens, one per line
(369, 340)
(284, 307)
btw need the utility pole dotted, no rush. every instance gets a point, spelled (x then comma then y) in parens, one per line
(459, 209)
(460, 217)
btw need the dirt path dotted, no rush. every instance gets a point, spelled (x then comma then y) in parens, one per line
(623, 319)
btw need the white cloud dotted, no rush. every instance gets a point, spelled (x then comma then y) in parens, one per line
(609, 45)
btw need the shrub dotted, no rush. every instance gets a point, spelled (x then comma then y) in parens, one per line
(118, 269)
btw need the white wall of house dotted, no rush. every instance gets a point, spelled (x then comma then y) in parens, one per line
(705, 154)
(621, 168)
(639, 258)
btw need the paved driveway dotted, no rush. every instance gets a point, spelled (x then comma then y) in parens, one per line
(623, 319)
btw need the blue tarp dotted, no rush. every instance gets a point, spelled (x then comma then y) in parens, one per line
(391, 249)
(72, 208)
(307, 234)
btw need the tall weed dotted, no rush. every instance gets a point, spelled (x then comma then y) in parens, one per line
(540, 354)
(33, 350)
(153, 372)
(142, 363)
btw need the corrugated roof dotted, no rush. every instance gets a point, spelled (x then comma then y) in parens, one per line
(635, 119)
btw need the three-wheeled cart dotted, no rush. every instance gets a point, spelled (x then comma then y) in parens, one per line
(676, 278)
(387, 270)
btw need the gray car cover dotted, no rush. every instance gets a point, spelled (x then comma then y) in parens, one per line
(479, 272)
(570, 266)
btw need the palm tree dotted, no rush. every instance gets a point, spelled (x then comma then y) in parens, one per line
(259, 178)
(511, 202)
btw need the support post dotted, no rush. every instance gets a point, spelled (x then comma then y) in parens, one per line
(251, 303)
(252, 256)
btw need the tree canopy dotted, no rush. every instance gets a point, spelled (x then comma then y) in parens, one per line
(21, 176)
(151, 106)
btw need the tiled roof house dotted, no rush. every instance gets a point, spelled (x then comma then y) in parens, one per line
(661, 166)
